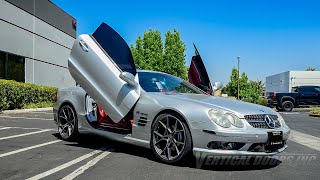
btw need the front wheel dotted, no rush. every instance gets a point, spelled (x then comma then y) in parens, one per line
(170, 138)
(67, 122)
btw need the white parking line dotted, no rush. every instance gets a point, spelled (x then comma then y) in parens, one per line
(305, 139)
(3, 128)
(25, 134)
(89, 164)
(70, 163)
(39, 112)
(23, 118)
(27, 128)
(289, 113)
(28, 148)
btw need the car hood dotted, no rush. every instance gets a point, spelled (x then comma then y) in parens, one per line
(219, 103)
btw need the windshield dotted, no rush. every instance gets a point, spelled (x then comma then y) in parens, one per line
(159, 82)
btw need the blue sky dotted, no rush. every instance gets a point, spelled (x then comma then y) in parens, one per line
(270, 36)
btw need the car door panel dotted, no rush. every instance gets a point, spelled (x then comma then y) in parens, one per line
(96, 72)
(308, 95)
(197, 74)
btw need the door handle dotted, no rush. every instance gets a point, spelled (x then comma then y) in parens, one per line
(83, 46)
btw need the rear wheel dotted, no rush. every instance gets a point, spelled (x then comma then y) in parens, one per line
(287, 106)
(67, 122)
(170, 138)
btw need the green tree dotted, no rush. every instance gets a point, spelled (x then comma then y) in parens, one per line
(153, 50)
(148, 50)
(137, 53)
(310, 69)
(244, 85)
(149, 53)
(232, 87)
(174, 57)
(250, 91)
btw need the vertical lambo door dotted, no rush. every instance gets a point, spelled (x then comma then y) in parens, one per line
(102, 64)
(198, 75)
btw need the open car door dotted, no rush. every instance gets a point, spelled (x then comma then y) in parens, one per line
(97, 63)
(198, 75)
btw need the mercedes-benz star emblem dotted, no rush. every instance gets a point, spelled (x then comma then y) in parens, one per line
(270, 122)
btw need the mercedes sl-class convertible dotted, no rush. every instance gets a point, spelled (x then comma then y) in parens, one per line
(156, 110)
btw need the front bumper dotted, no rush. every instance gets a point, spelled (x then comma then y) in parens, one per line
(249, 138)
(200, 152)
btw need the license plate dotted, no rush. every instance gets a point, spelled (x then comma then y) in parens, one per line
(275, 138)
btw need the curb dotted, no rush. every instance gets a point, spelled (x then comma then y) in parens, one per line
(314, 115)
(25, 110)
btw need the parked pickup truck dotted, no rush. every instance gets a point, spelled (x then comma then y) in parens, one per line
(302, 96)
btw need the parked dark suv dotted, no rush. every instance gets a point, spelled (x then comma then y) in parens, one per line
(303, 96)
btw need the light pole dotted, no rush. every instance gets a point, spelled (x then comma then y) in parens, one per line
(238, 77)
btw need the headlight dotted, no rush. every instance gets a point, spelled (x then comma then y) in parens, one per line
(236, 121)
(224, 119)
(280, 119)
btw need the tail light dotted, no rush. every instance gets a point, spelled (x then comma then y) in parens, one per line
(273, 96)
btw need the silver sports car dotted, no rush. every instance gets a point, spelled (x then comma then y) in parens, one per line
(157, 110)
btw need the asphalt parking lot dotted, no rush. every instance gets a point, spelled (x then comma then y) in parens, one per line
(30, 148)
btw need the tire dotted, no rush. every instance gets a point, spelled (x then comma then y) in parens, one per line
(67, 123)
(278, 108)
(174, 145)
(287, 106)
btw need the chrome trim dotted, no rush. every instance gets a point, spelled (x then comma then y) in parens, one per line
(200, 151)
(259, 121)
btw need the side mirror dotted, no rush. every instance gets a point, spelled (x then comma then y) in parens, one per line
(217, 86)
(128, 78)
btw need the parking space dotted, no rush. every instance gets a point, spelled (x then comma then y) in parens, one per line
(39, 153)
(30, 148)
(302, 122)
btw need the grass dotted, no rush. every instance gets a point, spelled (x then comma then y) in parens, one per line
(315, 111)
(37, 105)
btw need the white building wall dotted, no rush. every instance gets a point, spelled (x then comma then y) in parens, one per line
(278, 83)
(284, 82)
(302, 78)
(44, 47)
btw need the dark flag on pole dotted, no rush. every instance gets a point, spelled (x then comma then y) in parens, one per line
(197, 74)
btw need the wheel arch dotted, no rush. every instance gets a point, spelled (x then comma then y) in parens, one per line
(73, 96)
(67, 102)
(177, 112)
(288, 98)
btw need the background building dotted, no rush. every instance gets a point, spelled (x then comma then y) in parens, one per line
(286, 81)
(36, 38)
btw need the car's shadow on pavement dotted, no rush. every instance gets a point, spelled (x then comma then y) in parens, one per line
(95, 142)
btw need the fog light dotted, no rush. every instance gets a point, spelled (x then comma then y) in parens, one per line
(225, 145)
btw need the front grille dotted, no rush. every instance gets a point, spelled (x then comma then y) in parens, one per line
(258, 121)
(259, 117)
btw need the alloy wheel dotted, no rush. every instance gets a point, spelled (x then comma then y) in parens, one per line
(169, 137)
(67, 122)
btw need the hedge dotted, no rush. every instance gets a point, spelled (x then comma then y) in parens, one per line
(14, 95)
(315, 111)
